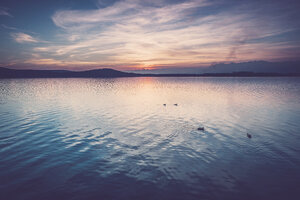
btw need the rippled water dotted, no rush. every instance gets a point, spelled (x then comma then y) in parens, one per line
(114, 139)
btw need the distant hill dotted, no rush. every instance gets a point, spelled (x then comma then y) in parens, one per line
(256, 67)
(220, 70)
(100, 73)
(253, 66)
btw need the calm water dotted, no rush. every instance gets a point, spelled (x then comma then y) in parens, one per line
(114, 139)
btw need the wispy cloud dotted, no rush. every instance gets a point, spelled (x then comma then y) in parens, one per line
(4, 11)
(8, 27)
(23, 38)
(152, 33)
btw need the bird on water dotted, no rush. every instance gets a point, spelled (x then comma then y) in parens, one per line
(200, 129)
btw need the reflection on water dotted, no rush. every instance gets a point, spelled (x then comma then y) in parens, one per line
(114, 139)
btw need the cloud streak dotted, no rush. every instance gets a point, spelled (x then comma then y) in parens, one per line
(4, 12)
(157, 33)
(23, 38)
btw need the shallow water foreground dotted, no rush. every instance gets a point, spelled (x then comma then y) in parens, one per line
(114, 138)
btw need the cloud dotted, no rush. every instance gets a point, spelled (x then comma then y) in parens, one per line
(119, 12)
(50, 61)
(23, 38)
(8, 27)
(3, 11)
(157, 33)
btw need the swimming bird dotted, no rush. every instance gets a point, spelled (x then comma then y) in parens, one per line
(249, 135)
(200, 129)
(175, 104)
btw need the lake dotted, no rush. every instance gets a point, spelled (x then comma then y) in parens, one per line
(114, 138)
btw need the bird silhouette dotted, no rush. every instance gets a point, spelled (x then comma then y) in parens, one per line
(249, 135)
(200, 129)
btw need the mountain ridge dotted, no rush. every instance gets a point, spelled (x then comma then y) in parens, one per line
(250, 66)
(245, 69)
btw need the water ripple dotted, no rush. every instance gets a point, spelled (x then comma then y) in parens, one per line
(114, 139)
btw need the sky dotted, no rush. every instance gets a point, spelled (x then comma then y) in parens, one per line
(146, 34)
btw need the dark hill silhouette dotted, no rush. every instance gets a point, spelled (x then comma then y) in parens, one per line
(105, 73)
(111, 73)
(251, 66)
(98, 73)
(257, 67)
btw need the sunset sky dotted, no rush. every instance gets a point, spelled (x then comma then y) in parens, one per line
(133, 34)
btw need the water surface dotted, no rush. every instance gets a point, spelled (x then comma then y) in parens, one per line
(114, 139)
